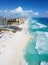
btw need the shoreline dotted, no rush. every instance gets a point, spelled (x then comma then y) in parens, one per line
(12, 49)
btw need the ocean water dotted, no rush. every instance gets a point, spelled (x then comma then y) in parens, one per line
(36, 52)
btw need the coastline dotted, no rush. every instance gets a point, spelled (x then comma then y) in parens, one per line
(11, 50)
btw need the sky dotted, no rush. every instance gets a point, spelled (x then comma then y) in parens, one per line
(34, 8)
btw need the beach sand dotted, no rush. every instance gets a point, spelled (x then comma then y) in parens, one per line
(12, 47)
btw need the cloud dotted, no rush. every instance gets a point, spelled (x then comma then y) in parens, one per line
(6, 11)
(19, 12)
(46, 12)
(36, 13)
(1, 11)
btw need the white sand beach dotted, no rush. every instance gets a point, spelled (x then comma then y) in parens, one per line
(12, 46)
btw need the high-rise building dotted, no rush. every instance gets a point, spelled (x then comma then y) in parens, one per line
(3, 22)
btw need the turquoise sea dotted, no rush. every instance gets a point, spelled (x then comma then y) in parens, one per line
(36, 52)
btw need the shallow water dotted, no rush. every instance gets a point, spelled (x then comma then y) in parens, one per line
(36, 52)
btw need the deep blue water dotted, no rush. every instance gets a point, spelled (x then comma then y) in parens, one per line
(42, 20)
(36, 52)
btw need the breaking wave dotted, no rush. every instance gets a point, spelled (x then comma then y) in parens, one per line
(37, 49)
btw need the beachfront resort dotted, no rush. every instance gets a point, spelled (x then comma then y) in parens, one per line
(11, 24)
(13, 40)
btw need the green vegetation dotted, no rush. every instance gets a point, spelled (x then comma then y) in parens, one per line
(11, 28)
(5, 29)
(14, 31)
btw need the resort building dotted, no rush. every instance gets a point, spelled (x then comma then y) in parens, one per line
(3, 22)
(17, 20)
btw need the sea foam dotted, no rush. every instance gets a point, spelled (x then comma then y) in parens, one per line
(44, 63)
